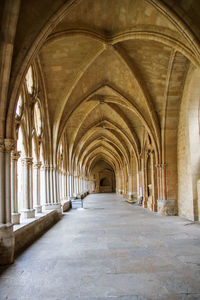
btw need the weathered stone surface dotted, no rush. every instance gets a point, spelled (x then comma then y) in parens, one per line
(66, 205)
(166, 207)
(109, 250)
(25, 234)
(7, 244)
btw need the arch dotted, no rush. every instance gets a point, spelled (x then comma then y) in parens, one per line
(188, 148)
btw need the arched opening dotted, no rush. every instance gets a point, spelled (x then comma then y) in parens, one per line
(188, 149)
(102, 178)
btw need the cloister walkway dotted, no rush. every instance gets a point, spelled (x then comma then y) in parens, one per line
(109, 250)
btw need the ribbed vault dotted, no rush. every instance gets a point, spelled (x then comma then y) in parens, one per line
(107, 77)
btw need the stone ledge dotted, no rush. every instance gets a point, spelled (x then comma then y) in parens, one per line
(31, 229)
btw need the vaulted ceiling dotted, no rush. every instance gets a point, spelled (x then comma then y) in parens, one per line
(111, 70)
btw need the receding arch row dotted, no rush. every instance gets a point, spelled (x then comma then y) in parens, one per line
(28, 57)
(109, 101)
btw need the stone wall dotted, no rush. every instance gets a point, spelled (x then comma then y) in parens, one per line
(26, 234)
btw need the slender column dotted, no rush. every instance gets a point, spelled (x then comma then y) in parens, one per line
(68, 186)
(43, 185)
(82, 185)
(27, 211)
(2, 183)
(7, 238)
(165, 207)
(65, 185)
(14, 199)
(51, 183)
(36, 191)
(48, 184)
(71, 185)
(79, 185)
(55, 187)
(58, 185)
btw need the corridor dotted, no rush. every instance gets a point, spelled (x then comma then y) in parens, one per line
(110, 249)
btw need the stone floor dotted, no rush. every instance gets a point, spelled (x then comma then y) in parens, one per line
(109, 250)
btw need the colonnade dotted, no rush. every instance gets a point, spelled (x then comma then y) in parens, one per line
(43, 186)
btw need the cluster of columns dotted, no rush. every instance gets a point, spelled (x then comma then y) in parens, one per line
(42, 186)
(77, 186)
(146, 182)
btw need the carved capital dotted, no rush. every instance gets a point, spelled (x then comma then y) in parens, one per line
(9, 144)
(15, 155)
(37, 165)
(27, 161)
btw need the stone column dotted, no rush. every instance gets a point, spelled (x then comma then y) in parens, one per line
(36, 186)
(2, 183)
(165, 207)
(51, 183)
(58, 184)
(77, 186)
(27, 211)
(55, 187)
(43, 185)
(68, 186)
(64, 185)
(7, 239)
(14, 186)
(71, 185)
(48, 184)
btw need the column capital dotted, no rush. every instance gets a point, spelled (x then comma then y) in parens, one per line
(37, 165)
(9, 144)
(15, 155)
(27, 160)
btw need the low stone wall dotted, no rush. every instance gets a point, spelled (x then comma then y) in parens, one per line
(25, 234)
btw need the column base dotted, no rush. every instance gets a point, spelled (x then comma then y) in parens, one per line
(28, 213)
(66, 205)
(7, 244)
(38, 209)
(165, 207)
(131, 195)
(16, 218)
(52, 206)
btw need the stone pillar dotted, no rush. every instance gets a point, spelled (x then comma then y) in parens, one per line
(64, 185)
(165, 207)
(68, 186)
(7, 239)
(55, 186)
(27, 211)
(145, 193)
(36, 187)
(14, 186)
(48, 184)
(71, 185)
(51, 183)
(43, 185)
